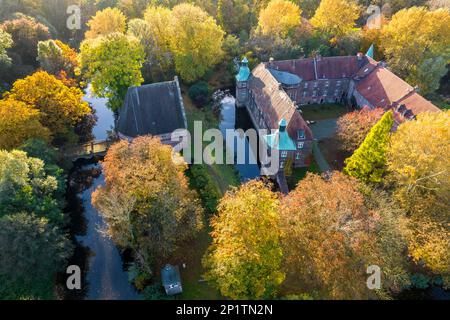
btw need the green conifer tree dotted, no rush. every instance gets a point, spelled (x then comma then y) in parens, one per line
(368, 162)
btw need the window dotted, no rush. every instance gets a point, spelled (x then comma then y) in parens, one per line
(306, 85)
(284, 154)
(316, 84)
(301, 134)
(300, 145)
(281, 165)
(297, 156)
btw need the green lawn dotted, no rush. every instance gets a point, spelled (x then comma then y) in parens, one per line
(300, 173)
(225, 177)
(315, 112)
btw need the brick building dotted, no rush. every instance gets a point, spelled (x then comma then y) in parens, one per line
(275, 91)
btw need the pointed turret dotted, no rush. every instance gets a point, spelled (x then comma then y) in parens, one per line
(370, 51)
(242, 83)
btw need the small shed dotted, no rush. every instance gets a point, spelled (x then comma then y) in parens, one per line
(171, 280)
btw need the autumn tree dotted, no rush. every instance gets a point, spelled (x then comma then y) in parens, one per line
(154, 36)
(244, 260)
(25, 33)
(146, 200)
(105, 22)
(368, 162)
(329, 237)
(18, 123)
(195, 41)
(411, 39)
(55, 57)
(233, 16)
(279, 18)
(112, 64)
(418, 167)
(336, 17)
(32, 250)
(61, 108)
(353, 127)
(5, 43)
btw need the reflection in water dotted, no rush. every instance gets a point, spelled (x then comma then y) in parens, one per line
(105, 116)
(106, 279)
(250, 169)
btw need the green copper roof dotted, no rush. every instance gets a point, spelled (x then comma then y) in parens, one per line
(244, 71)
(280, 140)
(370, 52)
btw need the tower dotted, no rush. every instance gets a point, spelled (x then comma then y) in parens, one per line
(242, 84)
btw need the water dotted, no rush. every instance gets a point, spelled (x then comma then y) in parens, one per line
(105, 278)
(105, 116)
(232, 118)
(104, 274)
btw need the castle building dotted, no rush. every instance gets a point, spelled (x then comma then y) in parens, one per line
(275, 91)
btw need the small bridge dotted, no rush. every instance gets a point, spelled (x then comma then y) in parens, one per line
(88, 150)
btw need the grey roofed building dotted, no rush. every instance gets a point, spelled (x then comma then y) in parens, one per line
(171, 280)
(155, 109)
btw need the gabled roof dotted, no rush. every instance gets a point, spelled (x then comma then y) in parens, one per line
(153, 109)
(280, 140)
(275, 103)
(382, 88)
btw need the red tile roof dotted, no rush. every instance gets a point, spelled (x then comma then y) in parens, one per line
(275, 103)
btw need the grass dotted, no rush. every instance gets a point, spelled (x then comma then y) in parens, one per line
(300, 173)
(315, 112)
(225, 177)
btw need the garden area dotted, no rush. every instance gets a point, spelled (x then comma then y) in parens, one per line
(317, 112)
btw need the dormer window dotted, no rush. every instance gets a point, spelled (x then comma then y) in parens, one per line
(301, 134)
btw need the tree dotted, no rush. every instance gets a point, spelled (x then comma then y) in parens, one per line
(155, 38)
(279, 18)
(18, 123)
(55, 56)
(336, 17)
(329, 237)
(112, 64)
(133, 8)
(233, 16)
(105, 22)
(244, 260)
(61, 108)
(195, 41)
(353, 127)
(428, 74)
(308, 7)
(411, 38)
(369, 160)
(25, 33)
(146, 200)
(5, 43)
(418, 167)
(25, 185)
(32, 250)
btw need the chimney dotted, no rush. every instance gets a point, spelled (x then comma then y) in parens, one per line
(318, 57)
(360, 55)
(271, 62)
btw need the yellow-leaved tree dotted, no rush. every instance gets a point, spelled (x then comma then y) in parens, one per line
(107, 21)
(18, 123)
(413, 41)
(418, 164)
(336, 17)
(244, 260)
(279, 18)
(195, 41)
(61, 107)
